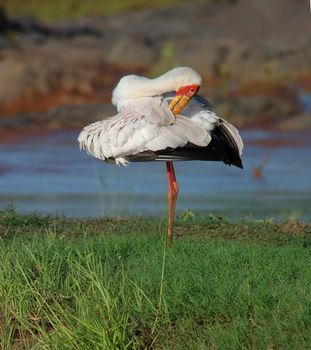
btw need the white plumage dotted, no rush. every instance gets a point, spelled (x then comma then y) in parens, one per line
(144, 121)
(162, 119)
(132, 87)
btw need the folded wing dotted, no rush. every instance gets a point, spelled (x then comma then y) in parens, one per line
(145, 124)
(226, 143)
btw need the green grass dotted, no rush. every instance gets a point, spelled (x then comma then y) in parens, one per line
(96, 284)
(46, 9)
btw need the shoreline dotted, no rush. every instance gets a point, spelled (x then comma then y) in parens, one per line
(254, 71)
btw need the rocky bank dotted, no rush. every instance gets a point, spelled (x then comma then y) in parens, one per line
(255, 57)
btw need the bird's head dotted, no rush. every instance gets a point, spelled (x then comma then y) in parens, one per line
(186, 82)
(182, 97)
(183, 80)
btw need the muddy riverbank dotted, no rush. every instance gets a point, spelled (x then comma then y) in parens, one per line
(254, 58)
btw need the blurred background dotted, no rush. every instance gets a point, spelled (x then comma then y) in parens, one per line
(60, 59)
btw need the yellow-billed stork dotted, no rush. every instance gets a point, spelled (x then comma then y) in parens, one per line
(162, 119)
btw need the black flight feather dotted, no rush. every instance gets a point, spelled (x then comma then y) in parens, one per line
(221, 148)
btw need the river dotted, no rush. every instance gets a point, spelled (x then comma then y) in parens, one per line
(49, 174)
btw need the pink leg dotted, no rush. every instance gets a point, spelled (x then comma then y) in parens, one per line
(172, 194)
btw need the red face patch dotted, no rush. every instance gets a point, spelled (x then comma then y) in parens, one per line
(188, 90)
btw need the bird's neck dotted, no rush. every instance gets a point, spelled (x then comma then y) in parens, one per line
(157, 86)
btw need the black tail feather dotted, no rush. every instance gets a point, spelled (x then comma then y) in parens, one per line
(221, 148)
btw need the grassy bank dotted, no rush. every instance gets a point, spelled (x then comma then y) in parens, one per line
(56, 9)
(109, 284)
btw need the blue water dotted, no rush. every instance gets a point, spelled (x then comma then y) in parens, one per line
(305, 102)
(50, 175)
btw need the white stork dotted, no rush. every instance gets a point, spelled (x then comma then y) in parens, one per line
(162, 119)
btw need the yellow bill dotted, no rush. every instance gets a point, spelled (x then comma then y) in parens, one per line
(182, 98)
(178, 103)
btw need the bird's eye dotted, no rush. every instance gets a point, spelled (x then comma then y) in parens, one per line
(192, 90)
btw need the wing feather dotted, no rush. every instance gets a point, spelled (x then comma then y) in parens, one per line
(147, 124)
(234, 133)
(143, 126)
(199, 110)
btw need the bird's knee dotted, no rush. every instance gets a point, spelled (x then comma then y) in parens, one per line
(176, 188)
(172, 194)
